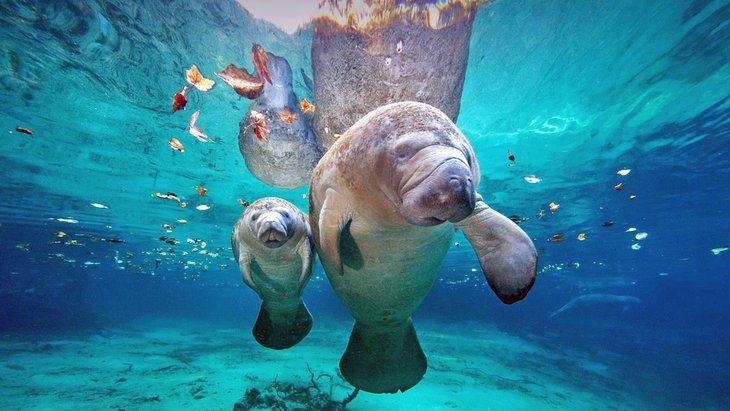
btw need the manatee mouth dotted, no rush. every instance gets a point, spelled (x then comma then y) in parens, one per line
(272, 234)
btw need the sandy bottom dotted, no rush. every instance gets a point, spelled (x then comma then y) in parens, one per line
(194, 366)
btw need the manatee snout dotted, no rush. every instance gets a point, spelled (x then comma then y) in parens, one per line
(447, 194)
(271, 230)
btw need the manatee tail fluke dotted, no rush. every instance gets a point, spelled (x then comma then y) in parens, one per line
(383, 360)
(282, 331)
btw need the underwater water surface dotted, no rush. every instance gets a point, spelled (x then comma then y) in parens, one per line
(616, 112)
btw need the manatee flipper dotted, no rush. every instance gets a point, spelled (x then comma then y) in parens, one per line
(506, 254)
(244, 261)
(383, 360)
(331, 223)
(282, 330)
(304, 249)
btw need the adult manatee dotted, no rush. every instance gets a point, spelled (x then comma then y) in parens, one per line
(384, 202)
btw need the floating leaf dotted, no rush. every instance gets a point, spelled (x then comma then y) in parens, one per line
(24, 130)
(306, 106)
(244, 83)
(195, 78)
(532, 179)
(554, 207)
(581, 237)
(287, 116)
(97, 205)
(243, 203)
(260, 127)
(179, 100)
(623, 172)
(203, 207)
(201, 190)
(175, 144)
(168, 195)
(261, 62)
(196, 131)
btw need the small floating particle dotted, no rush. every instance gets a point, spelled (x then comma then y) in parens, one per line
(718, 250)
(243, 203)
(619, 187)
(183, 204)
(581, 237)
(201, 190)
(473, 270)
(97, 205)
(202, 207)
(336, 137)
(287, 116)
(635, 246)
(532, 179)
(24, 130)
(306, 106)
(168, 226)
(510, 156)
(22, 246)
(631, 197)
(68, 220)
(630, 229)
(304, 196)
(663, 274)
(179, 100)
(641, 236)
(556, 238)
(456, 244)
(113, 240)
(623, 172)
(60, 234)
(399, 47)
(181, 221)
(554, 207)
(169, 195)
(195, 78)
(518, 219)
(175, 144)
(608, 223)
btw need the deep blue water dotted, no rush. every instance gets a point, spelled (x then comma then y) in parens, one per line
(577, 90)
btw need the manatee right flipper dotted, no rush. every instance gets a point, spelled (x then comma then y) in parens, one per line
(506, 254)
(383, 360)
(281, 330)
(331, 223)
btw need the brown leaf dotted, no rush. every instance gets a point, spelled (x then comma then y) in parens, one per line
(243, 82)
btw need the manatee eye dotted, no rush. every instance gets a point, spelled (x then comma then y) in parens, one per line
(285, 214)
(255, 215)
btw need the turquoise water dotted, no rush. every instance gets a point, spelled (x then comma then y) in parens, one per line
(576, 90)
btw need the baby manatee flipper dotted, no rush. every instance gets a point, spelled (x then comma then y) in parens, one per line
(244, 262)
(383, 360)
(506, 254)
(331, 223)
(304, 249)
(282, 329)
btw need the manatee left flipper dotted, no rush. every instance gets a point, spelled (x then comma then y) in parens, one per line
(304, 249)
(333, 218)
(506, 254)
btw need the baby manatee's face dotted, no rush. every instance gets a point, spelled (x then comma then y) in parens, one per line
(271, 224)
(435, 179)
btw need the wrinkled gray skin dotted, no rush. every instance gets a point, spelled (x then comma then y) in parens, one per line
(384, 203)
(272, 244)
(349, 81)
(287, 159)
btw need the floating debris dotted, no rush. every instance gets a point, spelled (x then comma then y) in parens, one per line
(97, 205)
(532, 179)
(90, 263)
(288, 117)
(540, 214)
(663, 274)
(556, 238)
(201, 190)
(581, 237)
(175, 144)
(456, 244)
(68, 220)
(306, 106)
(60, 234)
(608, 223)
(336, 137)
(183, 204)
(631, 197)
(24, 130)
(261, 62)
(169, 240)
(195, 78)
(179, 100)
(243, 83)
(243, 203)
(22, 246)
(630, 229)
(203, 207)
(260, 127)
(641, 236)
(718, 250)
(196, 131)
(623, 172)
(304, 196)
(510, 156)
(169, 195)
(635, 246)
(619, 187)
(168, 226)
(518, 219)
(554, 207)
(181, 221)
(113, 240)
